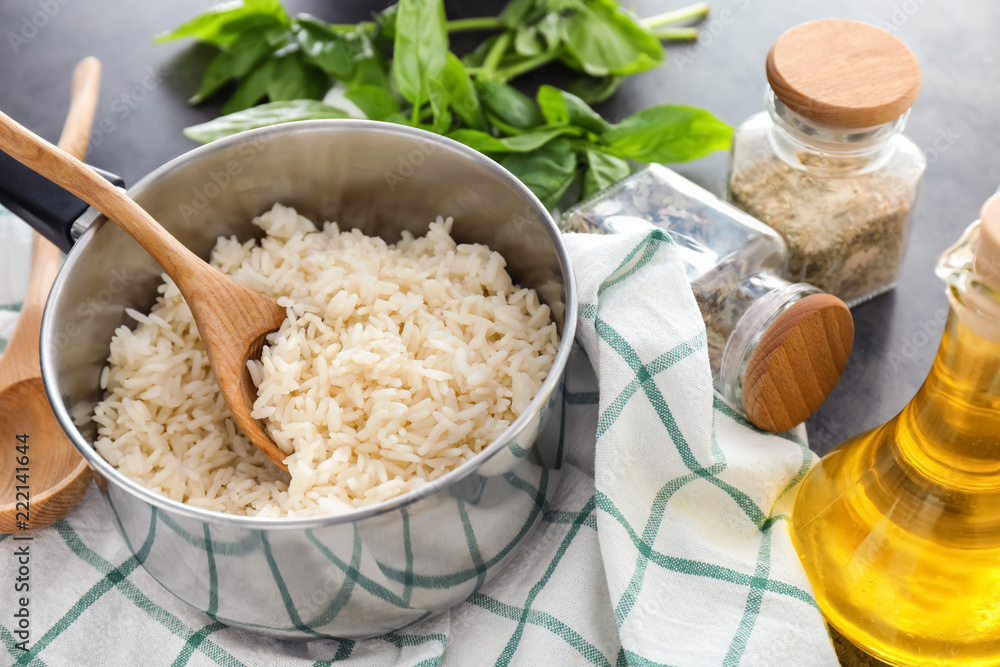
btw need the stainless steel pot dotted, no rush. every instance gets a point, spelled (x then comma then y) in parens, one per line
(368, 571)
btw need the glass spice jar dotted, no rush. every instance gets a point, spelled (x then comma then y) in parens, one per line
(776, 348)
(826, 165)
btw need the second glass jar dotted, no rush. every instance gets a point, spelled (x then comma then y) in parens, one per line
(735, 265)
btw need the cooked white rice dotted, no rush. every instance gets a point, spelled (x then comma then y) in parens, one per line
(397, 363)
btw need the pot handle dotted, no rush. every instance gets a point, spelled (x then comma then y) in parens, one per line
(47, 208)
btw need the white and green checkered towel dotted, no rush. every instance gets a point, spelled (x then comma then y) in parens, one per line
(15, 249)
(678, 554)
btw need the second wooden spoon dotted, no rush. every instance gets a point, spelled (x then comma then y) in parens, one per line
(44, 476)
(231, 319)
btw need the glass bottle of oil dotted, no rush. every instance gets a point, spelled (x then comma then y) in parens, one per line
(899, 528)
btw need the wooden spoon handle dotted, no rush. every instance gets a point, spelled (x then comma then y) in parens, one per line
(66, 171)
(74, 139)
(45, 257)
(82, 105)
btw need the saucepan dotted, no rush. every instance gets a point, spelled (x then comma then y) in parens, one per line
(351, 575)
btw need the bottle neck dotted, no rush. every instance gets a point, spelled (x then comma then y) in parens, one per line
(953, 423)
(824, 150)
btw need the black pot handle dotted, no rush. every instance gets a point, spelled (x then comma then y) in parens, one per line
(47, 207)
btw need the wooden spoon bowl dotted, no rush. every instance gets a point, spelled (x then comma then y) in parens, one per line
(43, 475)
(57, 476)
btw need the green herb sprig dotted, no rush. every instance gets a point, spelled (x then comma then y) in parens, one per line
(398, 68)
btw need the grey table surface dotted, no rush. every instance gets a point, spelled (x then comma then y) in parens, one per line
(143, 109)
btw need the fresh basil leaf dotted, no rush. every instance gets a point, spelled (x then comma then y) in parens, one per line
(375, 102)
(205, 27)
(273, 113)
(477, 56)
(603, 171)
(251, 89)
(323, 47)
(510, 105)
(421, 47)
(527, 42)
(385, 20)
(602, 39)
(594, 90)
(478, 140)
(516, 12)
(271, 7)
(581, 115)
(547, 172)
(238, 58)
(534, 140)
(551, 27)
(372, 71)
(440, 103)
(462, 93)
(502, 128)
(347, 55)
(222, 25)
(522, 143)
(668, 133)
(562, 108)
(294, 79)
(553, 105)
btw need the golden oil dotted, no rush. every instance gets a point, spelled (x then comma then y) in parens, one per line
(899, 528)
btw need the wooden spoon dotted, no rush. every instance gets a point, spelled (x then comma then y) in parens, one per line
(56, 476)
(231, 319)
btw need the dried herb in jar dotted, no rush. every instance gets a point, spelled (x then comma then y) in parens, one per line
(845, 234)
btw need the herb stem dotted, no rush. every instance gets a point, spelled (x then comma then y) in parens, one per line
(415, 115)
(676, 34)
(698, 10)
(525, 66)
(476, 23)
(344, 28)
(496, 53)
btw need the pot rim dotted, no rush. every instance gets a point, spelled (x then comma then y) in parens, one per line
(112, 474)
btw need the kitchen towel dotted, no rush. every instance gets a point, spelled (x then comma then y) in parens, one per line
(664, 539)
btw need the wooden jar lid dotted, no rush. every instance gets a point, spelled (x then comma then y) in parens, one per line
(797, 362)
(843, 73)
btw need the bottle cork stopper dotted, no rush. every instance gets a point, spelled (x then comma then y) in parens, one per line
(797, 362)
(843, 73)
(987, 261)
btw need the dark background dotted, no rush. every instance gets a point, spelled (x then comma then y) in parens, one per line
(955, 121)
